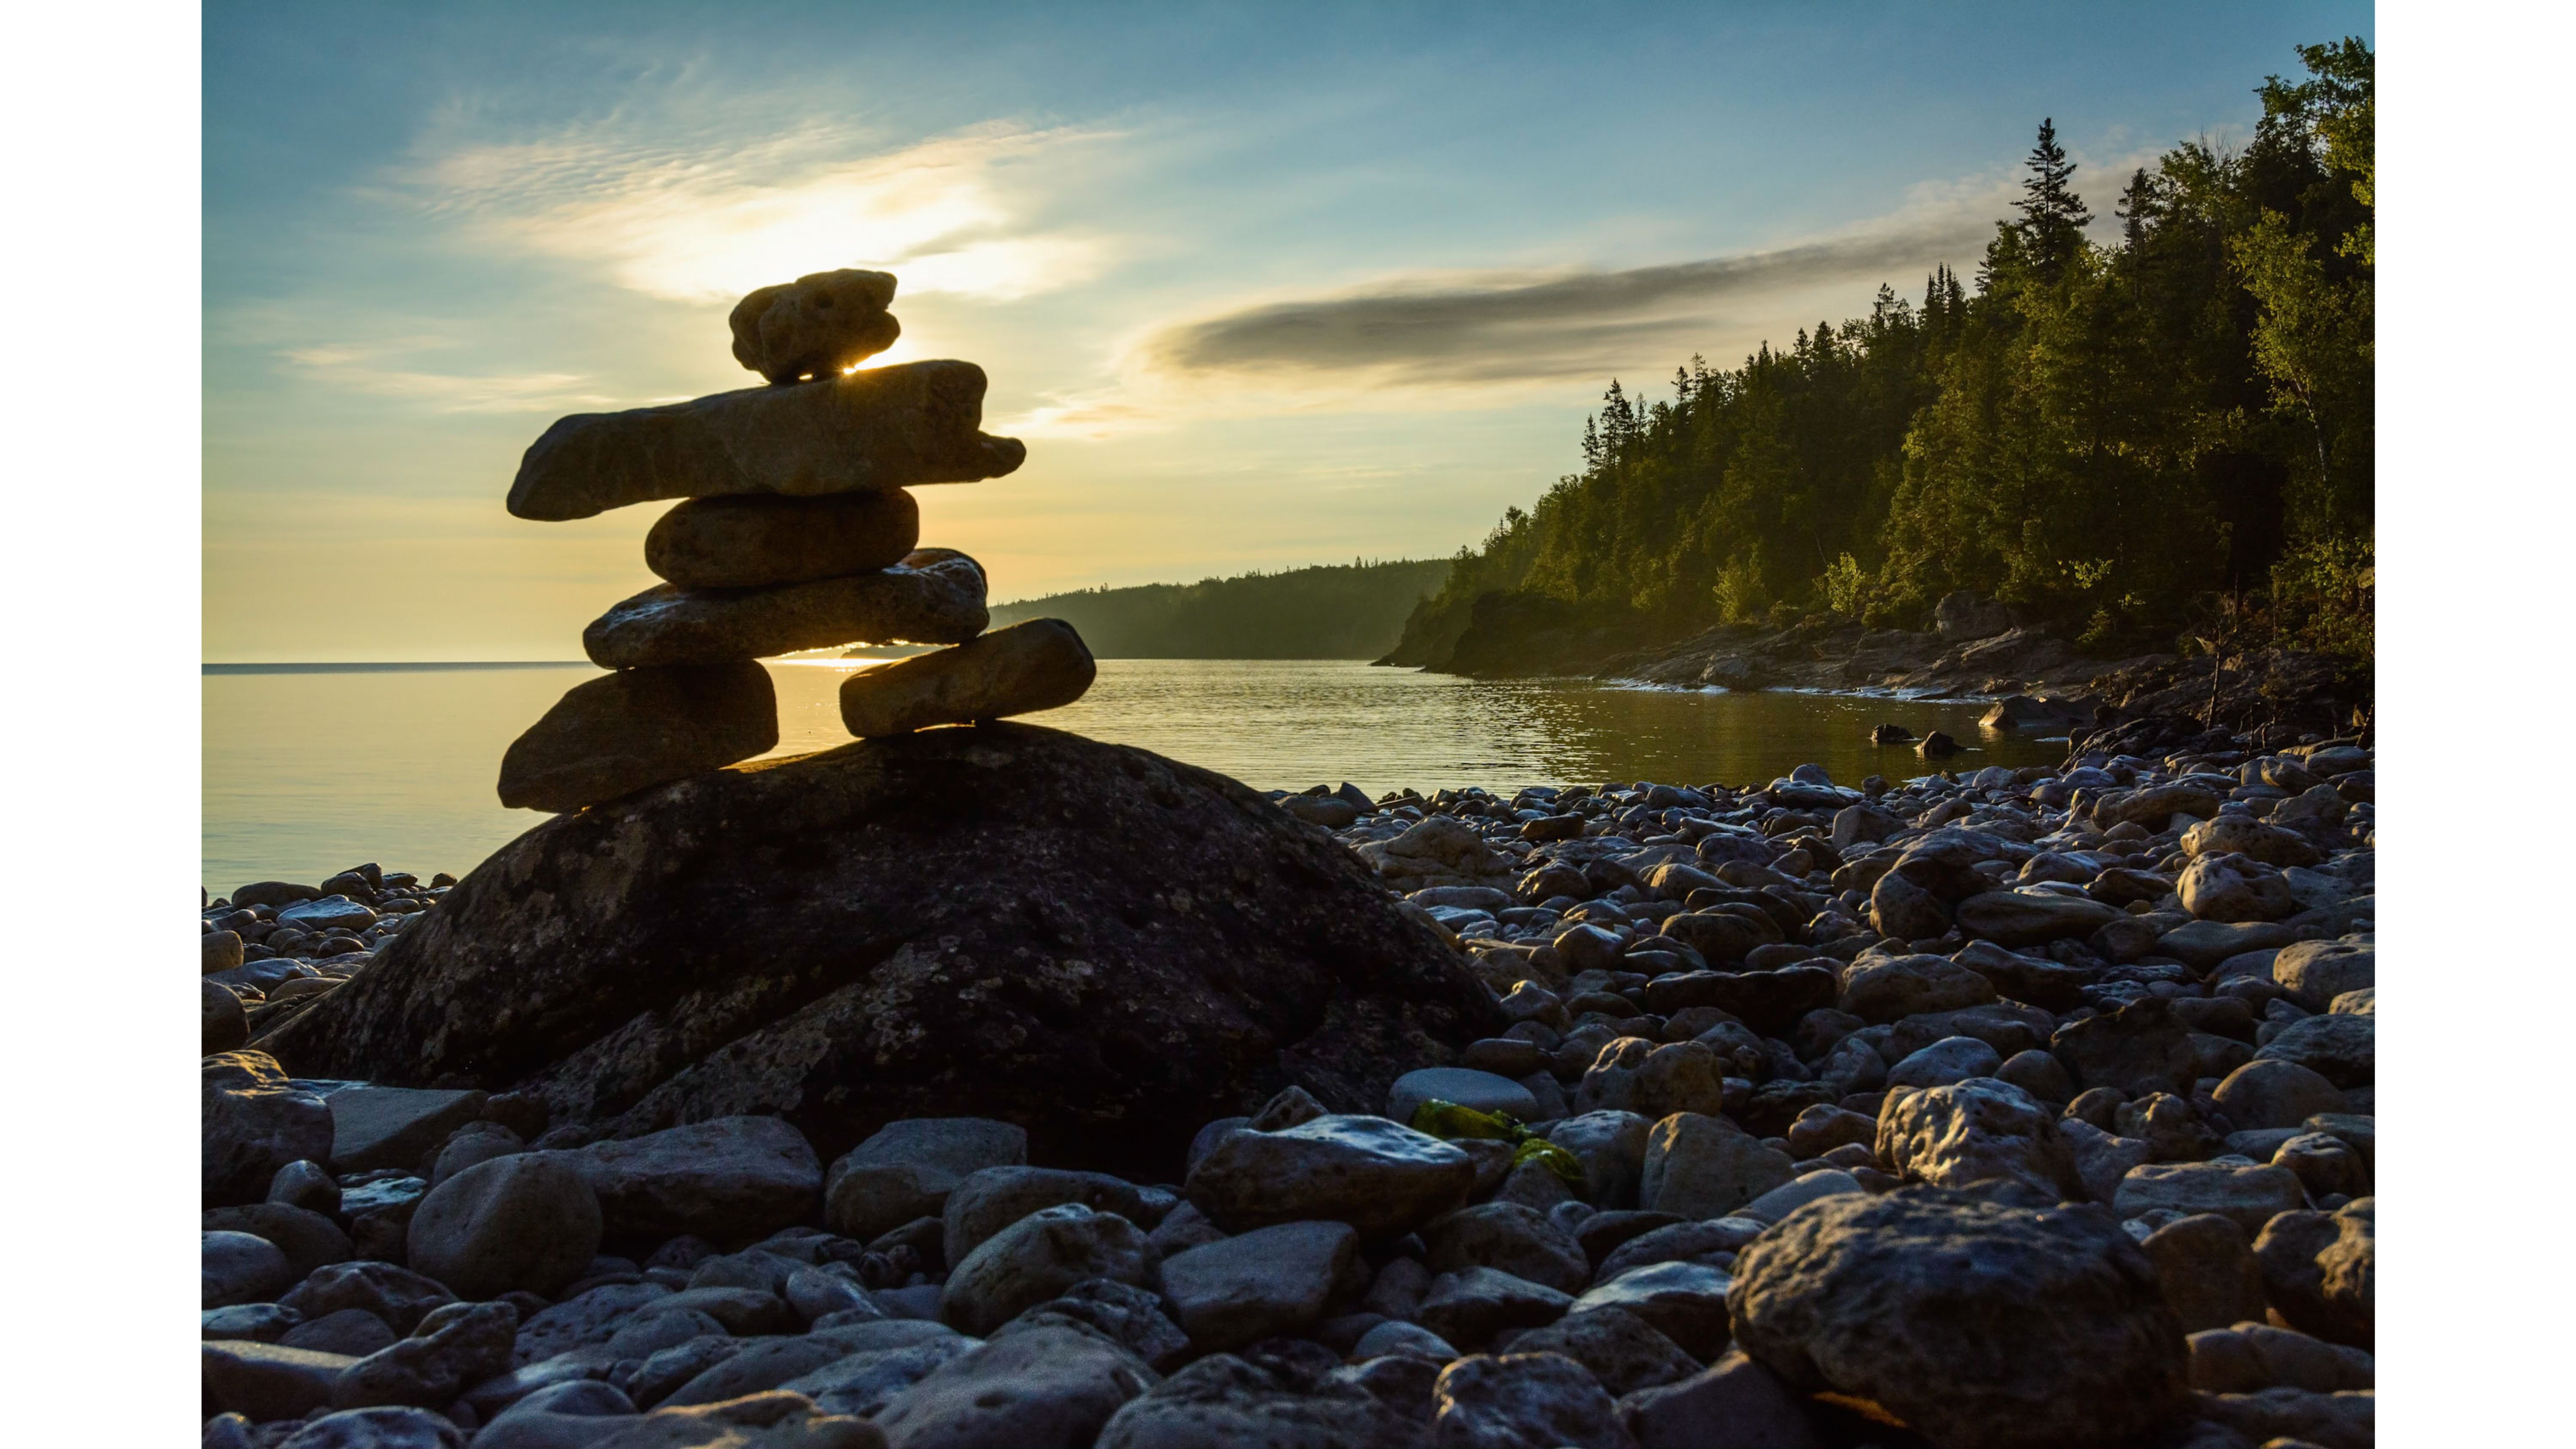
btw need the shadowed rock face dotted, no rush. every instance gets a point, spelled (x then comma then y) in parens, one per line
(1103, 945)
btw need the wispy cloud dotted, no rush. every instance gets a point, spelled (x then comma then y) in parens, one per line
(700, 218)
(1487, 327)
(359, 369)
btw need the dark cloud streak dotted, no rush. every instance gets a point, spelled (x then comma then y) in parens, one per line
(1516, 327)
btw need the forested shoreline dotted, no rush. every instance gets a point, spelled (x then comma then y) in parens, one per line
(1329, 611)
(2138, 444)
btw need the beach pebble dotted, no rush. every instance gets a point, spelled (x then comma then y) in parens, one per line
(1267, 1283)
(1381, 1178)
(1050, 1385)
(378, 1428)
(1468, 1306)
(1505, 1402)
(728, 1177)
(1479, 1091)
(1704, 1166)
(239, 1268)
(1037, 1258)
(906, 1170)
(1857, 1295)
(1510, 1237)
(452, 1349)
(1946, 1062)
(1268, 1401)
(521, 1221)
(1623, 1351)
(2245, 1194)
(253, 1122)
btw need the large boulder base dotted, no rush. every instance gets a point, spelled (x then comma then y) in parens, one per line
(1098, 943)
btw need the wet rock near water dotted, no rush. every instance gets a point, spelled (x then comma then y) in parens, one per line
(1640, 1129)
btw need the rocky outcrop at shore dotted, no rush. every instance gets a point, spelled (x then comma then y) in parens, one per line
(1975, 647)
(2030, 1108)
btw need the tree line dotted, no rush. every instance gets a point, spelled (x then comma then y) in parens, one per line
(1331, 611)
(2120, 438)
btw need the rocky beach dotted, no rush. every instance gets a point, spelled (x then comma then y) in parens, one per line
(991, 1086)
(984, 1086)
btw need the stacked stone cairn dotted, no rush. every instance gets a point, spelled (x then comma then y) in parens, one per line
(794, 531)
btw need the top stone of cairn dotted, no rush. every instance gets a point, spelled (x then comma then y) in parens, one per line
(818, 325)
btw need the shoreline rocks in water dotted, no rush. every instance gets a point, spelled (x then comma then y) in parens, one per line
(1975, 648)
(1973, 1021)
(793, 533)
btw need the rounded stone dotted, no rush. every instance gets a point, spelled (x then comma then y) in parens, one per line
(1038, 1258)
(240, 1268)
(226, 1025)
(2272, 1093)
(526, 1221)
(1982, 1326)
(1381, 1178)
(752, 541)
(1463, 1086)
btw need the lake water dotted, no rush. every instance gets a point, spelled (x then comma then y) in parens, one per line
(311, 769)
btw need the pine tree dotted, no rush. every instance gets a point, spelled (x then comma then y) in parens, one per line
(2137, 204)
(2053, 216)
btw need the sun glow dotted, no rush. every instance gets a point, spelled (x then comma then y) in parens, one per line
(685, 229)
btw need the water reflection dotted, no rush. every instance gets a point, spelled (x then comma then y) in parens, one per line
(309, 772)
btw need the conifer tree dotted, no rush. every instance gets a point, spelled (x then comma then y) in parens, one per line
(2053, 217)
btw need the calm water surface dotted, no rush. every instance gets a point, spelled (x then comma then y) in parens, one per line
(313, 769)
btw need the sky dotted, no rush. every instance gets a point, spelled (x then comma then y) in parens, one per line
(1260, 286)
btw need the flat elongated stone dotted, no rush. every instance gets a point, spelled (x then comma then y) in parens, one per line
(816, 325)
(1041, 664)
(935, 596)
(640, 727)
(887, 427)
(392, 1126)
(753, 542)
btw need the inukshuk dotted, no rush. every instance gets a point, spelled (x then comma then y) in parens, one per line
(794, 532)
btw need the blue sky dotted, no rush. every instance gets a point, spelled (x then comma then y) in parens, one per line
(1260, 285)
